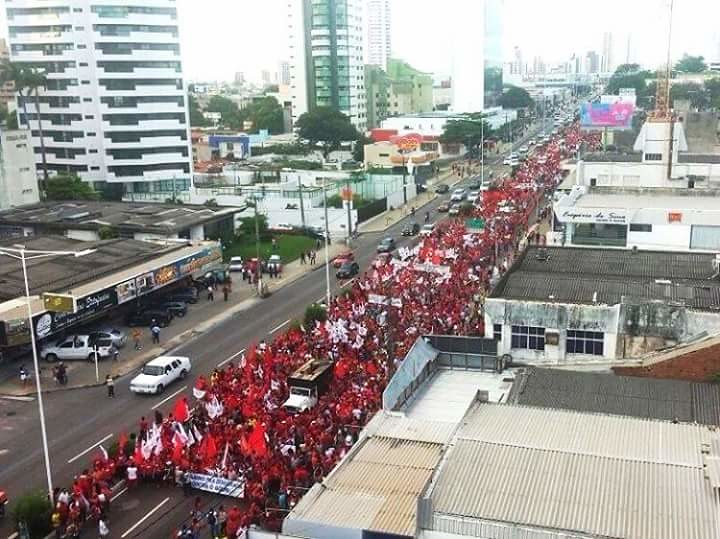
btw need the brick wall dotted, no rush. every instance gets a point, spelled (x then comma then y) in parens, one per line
(694, 365)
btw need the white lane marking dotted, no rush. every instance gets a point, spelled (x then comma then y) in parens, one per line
(159, 404)
(89, 449)
(147, 516)
(351, 281)
(123, 491)
(15, 535)
(279, 327)
(229, 359)
(16, 398)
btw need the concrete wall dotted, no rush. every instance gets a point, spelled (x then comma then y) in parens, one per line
(698, 363)
(82, 235)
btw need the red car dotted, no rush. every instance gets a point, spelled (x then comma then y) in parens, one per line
(341, 259)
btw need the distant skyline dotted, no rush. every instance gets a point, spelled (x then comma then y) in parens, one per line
(249, 36)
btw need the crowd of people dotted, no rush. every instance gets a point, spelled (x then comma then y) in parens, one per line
(236, 427)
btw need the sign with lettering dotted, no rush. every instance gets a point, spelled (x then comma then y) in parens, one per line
(218, 485)
(377, 299)
(50, 323)
(592, 215)
(200, 262)
(165, 275)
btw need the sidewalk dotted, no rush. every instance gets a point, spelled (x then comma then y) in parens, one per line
(202, 317)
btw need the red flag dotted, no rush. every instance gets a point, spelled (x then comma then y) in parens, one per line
(209, 449)
(181, 412)
(371, 368)
(177, 450)
(256, 440)
(138, 453)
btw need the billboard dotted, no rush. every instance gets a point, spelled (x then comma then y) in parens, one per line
(617, 115)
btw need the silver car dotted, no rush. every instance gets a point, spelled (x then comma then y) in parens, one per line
(116, 336)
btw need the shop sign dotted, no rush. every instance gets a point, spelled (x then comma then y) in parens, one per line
(589, 215)
(14, 332)
(49, 323)
(199, 262)
(126, 291)
(144, 283)
(674, 217)
(165, 275)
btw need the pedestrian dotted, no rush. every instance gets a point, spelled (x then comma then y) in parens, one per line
(302, 257)
(155, 330)
(317, 245)
(110, 383)
(226, 291)
(132, 474)
(24, 375)
(222, 520)
(211, 293)
(211, 518)
(136, 336)
(187, 484)
(103, 529)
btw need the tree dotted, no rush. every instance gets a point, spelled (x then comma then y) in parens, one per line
(712, 87)
(229, 111)
(69, 187)
(327, 128)
(34, 510)
(627, 69)
(8, 119)
(515, 98)
(196, 116)
(693, 92)
(265, 113)
(359, 148)
(691, 64)
(636, 80)
(27, 81)
(468, 132)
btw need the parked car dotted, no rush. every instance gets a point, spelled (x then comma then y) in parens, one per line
(176, 308)
(145, 317)
(442, 189)
(159, 373)
(454, 209)
(275, 262)
(458, 195)
(77, 347)
(348, 270)
(472, 195)
(427, 229)
(186, 295)
(118, 337)
(386, 245)
(342, 258)
(443, 208)
(236, 263)
(474, 184)
(411, 229)
(282, 227)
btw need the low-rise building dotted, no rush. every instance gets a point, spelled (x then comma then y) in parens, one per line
(18, 179)
(565, 305)
(113, 275)
(93, 220)
(663, 219)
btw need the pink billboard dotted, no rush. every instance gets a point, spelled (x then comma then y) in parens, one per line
(601, 115)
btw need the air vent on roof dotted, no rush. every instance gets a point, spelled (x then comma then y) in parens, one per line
(76, 216)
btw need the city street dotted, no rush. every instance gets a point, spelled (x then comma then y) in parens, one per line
(79, 421)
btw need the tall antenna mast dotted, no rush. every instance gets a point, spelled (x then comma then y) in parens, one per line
(662, 112)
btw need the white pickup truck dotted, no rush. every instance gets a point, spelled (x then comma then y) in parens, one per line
(78, 347)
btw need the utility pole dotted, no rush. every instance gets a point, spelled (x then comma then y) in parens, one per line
(327, 248)
(302, 205)
(258, 268)
(349, 210)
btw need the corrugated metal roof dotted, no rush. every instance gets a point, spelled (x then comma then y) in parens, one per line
(398, 425)
(376, 488)
(560, 490)
(609, 436)
(622, 395)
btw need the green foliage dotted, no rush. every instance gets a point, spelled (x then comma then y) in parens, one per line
(196, 116)
(247, 225)
(691, 64)
(69, 187)
(712, 87)
(34, 509)
(636, 80)
(301, 164)
(468, 132)
(8, 119)
(107, 232)
(288, 246)
(515, 98)
(327, 127)
(359, 148)
(691, 91)
(283, 149)
(626, 69)
(336, 201)
(229, 111)
(211, 203)
(314, 313)
(264, 113)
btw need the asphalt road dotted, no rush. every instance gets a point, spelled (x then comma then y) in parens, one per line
(78, 421)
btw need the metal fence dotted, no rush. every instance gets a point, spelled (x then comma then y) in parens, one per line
(371, 210)
(412, 372)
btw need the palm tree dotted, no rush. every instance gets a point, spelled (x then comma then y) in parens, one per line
(27, 81)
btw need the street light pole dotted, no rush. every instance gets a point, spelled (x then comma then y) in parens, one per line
(20, 254)
(327, 248)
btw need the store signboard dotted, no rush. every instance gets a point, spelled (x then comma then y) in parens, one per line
(593, 215)
(126, 291)
(199, 263)
(14, 332)
(49, 323)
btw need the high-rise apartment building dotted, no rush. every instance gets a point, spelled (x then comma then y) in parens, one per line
(378, 33)
(606, 64)
(592, 62)
(7, 90)
(477, 56)
(283, 74)
(326, 57)
(115, 107)
(18, 179)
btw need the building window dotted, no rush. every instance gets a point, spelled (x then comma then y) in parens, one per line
(497, 332)
(528, 337)
(653, 157)
(636, 227)
(593, 182)
(585, 342)
(82, 46)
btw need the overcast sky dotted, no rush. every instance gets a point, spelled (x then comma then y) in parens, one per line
(221, 37)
